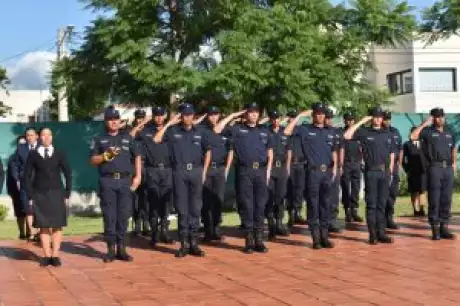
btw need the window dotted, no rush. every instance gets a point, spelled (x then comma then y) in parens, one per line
(400, 83)
(438, 79)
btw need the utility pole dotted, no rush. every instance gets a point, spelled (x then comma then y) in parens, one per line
(62, 38)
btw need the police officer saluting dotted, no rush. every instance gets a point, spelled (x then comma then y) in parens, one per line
(253, 148)
(378, 154)
(394, 186)
(351, 157)
(296, 181)
(119, 164)
(158, 177)
(335, 188)
(279, 176)
(140, 205)
(214, 185)
(438, 146)
(319, 147)
(190, 156)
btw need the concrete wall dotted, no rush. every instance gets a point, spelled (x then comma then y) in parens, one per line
(25, 103)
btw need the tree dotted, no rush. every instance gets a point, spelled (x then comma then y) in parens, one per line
(280, 53)
(441, 20)
(4, 82)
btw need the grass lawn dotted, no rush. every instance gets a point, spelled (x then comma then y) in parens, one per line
(91, 225)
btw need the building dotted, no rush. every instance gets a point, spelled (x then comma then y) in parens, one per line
(26, 105)
(420, 76)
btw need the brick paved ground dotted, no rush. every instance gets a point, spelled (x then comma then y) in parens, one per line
(413, 271)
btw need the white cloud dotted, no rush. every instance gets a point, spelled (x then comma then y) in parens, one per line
(32, 71)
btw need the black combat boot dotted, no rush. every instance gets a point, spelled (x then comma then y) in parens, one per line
(281, 229)
(445, 233)
(391, 223)
(348, 216)
(110, 256)
(373, 239)
(122, 254)
(137, 227)
(259, 245)
(383, 237)
(354, 215)
(154, 233)
(194, 248)
(333, 228)
(145, 228)
(271, 229)
(324, 239)
(164, 233)
(291, 221)
(217, 235)
(436, 232)
(316, 239)
(249, 244)
(184, 248)
(208, 233)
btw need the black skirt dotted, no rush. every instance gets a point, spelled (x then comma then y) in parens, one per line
(416, 183)
(49, 209)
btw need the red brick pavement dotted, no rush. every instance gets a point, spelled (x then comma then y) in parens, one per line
(413, 271)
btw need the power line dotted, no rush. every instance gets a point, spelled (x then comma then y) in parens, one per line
(28, 51)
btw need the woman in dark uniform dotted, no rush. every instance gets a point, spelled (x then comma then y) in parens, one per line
(13, 192)
(414, 166)
(47, 195)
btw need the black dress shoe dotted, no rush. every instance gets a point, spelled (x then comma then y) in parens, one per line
(110, 256)
(45, 261)
(436, 234)
(355, 216)
(122, 254)
(373, 239)
(384, 238)
(196, 251)
(56, 262)
(445, 233)
(391, 224)
(334, 229)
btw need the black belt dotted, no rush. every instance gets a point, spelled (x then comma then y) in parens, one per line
(188, 166)
(381, 168)
(278, 163)
(215, 165)
(442, 164)
(351, 162)
(117, 175)
(320, 168)
(254, 165)
(160, 166)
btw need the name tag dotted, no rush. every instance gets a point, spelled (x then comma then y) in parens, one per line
(125, 140)
(263, 134)
(370, 138)
(104, 141)
(244, 131)
(149, 135)
(177, 136)
(125, 148)
(197, 137)
(311, 134)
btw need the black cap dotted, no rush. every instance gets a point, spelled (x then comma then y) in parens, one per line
(292, 113)
(186, 109)
(111, 113)
(139, 113)
(251, 107)
(349, 115)
(329, 113)
(376, 111)
(274, 114)
(387, 115)
(319, 108)
(158, 111)
(437, 112)
(213, 110)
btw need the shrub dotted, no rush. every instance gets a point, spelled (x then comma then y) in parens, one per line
(3, 212)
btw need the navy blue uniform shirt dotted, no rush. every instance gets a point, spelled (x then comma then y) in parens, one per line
(318, 144)
(186, 146)
(155, 153)
(124, 162)
(250, 143)
(295, 144)
(220, 144)
(352, 149)
(376, 144)
(281, 144)
(436, 145)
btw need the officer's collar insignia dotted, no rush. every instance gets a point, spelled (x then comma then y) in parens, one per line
(104, 141)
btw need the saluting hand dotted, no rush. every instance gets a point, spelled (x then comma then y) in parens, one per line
(428, 121)
(306, 113)
(175, 119)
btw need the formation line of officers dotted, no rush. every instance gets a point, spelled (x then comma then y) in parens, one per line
(188, 159)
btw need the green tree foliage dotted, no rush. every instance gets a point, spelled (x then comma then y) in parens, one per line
(4, 82)
(287, 53)
(441, 20)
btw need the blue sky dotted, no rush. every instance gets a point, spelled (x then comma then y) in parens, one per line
(30, 27)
